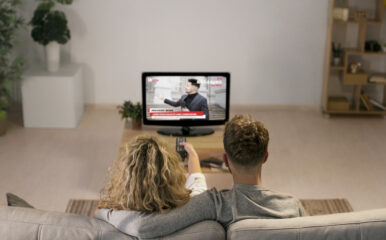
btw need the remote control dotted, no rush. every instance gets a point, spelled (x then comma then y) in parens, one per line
(180, 149)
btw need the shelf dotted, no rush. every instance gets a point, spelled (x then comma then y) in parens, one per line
(363, 112)
(357, 52)
(339, 67)
(352, 21)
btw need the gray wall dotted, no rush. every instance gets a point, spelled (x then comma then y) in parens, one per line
(274, 49)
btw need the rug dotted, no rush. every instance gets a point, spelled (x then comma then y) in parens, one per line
(313, 206)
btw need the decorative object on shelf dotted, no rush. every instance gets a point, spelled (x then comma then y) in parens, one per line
(341, 14)
(133, 111)
(337, 53)
(355, 67)
(384, 47)
(360, 15)
(49, 28)
(373, 46)
(10, 68)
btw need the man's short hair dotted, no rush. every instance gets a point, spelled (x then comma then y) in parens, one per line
(194, 82)
(245, 141)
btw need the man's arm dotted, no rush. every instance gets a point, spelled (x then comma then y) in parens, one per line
(199, 208)
(172, 103)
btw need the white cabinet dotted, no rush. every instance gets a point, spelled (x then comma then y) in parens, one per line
(53, 100)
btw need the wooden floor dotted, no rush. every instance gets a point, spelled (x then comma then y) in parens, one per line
(311, 156)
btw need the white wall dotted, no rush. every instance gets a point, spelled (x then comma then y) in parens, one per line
(274, 49)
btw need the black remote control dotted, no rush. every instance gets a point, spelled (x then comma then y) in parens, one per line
(180, 149)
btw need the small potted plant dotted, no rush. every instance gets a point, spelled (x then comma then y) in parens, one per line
(133, 111)
(337, 53)
(10, 68)
(49, 28)
(384, 45)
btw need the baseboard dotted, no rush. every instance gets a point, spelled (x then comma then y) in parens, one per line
(284, 107)
(101, 106)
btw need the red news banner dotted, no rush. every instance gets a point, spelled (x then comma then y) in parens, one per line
(167, 114)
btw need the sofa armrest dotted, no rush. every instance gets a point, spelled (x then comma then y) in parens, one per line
(355, 225)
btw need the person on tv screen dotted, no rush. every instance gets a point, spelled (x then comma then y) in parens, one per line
(192, 101)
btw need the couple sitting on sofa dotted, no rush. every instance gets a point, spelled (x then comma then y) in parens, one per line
(149, 195)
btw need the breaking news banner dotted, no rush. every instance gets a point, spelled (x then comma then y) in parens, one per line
(177, 115)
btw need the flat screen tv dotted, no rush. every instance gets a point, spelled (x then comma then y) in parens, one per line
(185, 99)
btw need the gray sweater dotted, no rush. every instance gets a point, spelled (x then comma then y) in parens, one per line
(226, 207)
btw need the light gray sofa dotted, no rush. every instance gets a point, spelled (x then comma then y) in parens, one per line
(18, 223)
(31, 224)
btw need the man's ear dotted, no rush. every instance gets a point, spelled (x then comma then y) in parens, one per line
(225, 158)
(266, 157)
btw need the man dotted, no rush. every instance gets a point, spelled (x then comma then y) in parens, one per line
(246, 147)
(192, 101)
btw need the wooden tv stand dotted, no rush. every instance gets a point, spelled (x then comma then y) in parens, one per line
(210, 146)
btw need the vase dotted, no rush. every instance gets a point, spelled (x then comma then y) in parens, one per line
(336, 61)
(52, 51)
(133, 125)
(136, 124)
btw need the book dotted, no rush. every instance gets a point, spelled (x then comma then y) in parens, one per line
(369, 106)
(377, 79)
(377, 104)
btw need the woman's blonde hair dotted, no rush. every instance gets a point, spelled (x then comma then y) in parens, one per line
(147, 177)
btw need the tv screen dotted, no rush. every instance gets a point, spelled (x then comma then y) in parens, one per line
(185, 99)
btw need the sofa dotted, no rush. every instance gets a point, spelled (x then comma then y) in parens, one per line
(30, 224)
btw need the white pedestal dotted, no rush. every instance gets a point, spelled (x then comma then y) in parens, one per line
(53, 100)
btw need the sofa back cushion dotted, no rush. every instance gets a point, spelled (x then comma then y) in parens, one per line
(30, 224)
(351, 226)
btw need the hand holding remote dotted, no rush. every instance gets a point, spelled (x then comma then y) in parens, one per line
(193, 160)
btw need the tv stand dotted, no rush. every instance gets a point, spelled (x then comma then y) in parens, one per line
(185, 131)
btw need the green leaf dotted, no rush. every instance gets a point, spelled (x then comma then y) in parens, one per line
(3, 115)
(67, 2)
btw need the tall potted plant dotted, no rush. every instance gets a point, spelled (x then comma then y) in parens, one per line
(133, 111)
(10, 68)
(49, 28)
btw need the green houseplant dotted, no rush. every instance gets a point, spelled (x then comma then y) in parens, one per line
(133, 111)
(10, 68)
(49, 28)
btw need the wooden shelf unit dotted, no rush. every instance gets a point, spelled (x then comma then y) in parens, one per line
(359, 51)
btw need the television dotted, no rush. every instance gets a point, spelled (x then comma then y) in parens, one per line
(188, 100)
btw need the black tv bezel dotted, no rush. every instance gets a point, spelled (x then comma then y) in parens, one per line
(185, 123)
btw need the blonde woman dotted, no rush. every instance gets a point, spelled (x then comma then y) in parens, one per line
(149, 177)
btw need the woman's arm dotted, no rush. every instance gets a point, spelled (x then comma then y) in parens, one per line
(196, 180)
(193, 160)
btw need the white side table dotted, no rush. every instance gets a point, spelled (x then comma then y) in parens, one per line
(53, 100)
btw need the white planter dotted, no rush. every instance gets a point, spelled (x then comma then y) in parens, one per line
(336, 61)
(52, 50)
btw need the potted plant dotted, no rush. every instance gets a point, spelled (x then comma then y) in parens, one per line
(10, 68)
(337, 53)
(133, 111)
(49, 28)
